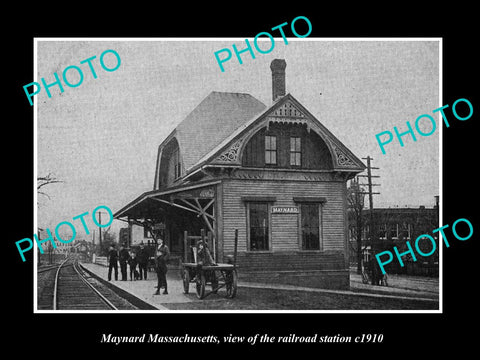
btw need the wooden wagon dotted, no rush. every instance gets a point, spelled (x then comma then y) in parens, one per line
(218, 275)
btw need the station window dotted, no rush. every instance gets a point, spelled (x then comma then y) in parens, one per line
(176, 162)
(258, 226)
(404, 231)
(295, 151)
(270, 149)
(310, 223)
(393, 231)
(382, 231)
(146, 232)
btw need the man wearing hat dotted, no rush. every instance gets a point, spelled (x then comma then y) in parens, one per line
(142, 257)
(124, 256)
(112, 262)
(161, 258)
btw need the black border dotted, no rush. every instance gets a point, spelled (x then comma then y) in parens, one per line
(407, 334)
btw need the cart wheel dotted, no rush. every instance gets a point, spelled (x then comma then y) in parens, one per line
(186, 280)
(231, 284)
(200, 281)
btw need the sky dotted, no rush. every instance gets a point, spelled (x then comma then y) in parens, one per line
(101, 138)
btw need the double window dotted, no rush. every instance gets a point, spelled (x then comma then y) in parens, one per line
(259, 225)
(272, 148)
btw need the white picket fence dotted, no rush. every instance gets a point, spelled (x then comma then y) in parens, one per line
(100, 260)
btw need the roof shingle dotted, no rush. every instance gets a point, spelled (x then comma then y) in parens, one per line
(213, 120)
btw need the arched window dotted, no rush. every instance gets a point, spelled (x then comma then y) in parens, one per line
(170, 163)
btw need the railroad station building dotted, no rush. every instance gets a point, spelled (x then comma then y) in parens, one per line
(274, 173)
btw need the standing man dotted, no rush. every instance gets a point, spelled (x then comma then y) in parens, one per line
(112, 262)
(161, 257)
(124, 257)
(142, 258)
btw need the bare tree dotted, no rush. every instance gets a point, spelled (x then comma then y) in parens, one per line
(46, 180)
(108, 239)
(355, 198)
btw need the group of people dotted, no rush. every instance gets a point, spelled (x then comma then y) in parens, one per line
(140, 258)
(124, 257)
(376, 275)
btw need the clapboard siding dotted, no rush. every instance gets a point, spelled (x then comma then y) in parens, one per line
(284, 229)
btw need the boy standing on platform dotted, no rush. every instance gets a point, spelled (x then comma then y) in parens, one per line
(161, 258)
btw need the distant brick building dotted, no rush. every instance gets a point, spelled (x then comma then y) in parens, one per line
(274, 172)
(393, 227)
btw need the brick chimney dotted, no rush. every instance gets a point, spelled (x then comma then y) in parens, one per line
(278, 78)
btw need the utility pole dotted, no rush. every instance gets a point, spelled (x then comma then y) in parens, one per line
(356, 202)
(370, 193)
(100, 229)
(95, 250)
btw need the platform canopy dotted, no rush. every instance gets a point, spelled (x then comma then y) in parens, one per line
(153, 206)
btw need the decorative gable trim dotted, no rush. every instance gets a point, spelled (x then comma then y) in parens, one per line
(288, 113)
(231, 154)
(286, 110)
(342, 159)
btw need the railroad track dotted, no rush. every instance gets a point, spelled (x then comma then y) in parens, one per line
(46, 268)
(74, 289)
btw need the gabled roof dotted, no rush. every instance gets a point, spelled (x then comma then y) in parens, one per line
(212, 121)
(344, 159)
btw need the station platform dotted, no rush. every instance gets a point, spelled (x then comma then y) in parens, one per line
(145, 289)
(399, 287)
